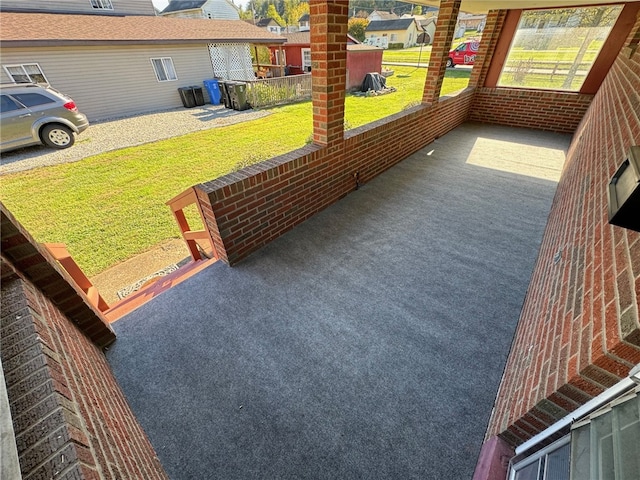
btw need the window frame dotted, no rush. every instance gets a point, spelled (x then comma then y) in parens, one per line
(24, 71)
(164, 69)
(539, 456)
(305, 64)
(494, 76)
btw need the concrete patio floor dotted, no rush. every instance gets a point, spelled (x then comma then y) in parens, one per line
(368, 342)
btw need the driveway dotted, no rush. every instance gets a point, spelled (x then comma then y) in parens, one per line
(119, 133)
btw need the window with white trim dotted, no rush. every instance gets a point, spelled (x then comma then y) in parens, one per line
(102, 4)
(165, 72)
(25, 73)
(306, 59)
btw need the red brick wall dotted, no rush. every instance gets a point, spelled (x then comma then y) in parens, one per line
(247, 209)
(70, 418)
(553, 111)
(579, 332)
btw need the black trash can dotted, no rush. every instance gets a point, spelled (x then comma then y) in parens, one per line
(238, 94)
(224, 91)
(187, 97)
(198, 95)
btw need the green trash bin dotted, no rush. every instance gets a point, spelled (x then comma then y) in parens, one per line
(238, 94)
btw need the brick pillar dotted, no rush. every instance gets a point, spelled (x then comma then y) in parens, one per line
(490, 35)
(445, 28)
(329, 68)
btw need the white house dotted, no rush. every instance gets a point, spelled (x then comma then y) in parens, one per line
(378, 15)
(213, 9)
(403, 31)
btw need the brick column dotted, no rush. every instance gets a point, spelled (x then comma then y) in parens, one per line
(329, 68)
(445, 28)
(490, 35)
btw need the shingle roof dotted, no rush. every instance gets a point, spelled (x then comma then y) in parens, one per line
(265, 22)
(385, 15)
(178, 5)
(304, 18)
(380, 25)
(298, 38)
(39, 29)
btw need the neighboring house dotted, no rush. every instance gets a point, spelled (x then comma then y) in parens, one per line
(471, 22)
(378, 15)
(129, 64)
(383, 32)
(213, 9)
(428, 26)
(303, 23)
(269, 24)
(97, 7)
(361, 58)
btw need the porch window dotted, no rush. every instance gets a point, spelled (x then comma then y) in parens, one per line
(394, 37)
(555, 49)
(26, 73)
(102, 4)
(164, 69)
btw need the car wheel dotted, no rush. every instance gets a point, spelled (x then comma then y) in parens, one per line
(57, 136)
(450, 63)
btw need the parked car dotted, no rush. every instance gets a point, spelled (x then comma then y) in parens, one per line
(463, 54)
(31, 114)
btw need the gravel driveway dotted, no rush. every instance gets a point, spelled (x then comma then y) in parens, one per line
(109, 135)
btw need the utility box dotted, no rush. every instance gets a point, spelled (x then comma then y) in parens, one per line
(187, 97)
(624, 193)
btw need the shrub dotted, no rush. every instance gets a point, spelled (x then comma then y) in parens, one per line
(396, 46)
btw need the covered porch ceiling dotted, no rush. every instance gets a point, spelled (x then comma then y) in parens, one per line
(483, 6)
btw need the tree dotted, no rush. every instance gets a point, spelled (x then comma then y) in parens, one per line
(293, 10)
(417, 10)
(273, 13)
(357, 26)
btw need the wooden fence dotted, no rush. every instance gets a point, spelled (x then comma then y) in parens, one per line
(279, 90)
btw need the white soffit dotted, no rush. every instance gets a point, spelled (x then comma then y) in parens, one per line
(483, 6)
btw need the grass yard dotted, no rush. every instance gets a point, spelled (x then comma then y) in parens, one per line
(110, 207)
(408, 55)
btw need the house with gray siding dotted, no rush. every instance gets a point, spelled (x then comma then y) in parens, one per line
(115, 66)
(212, 9)
(86, 7)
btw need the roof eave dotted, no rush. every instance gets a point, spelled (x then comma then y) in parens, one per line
(82, 43)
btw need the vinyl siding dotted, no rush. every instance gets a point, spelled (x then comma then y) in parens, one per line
(185, 14)
(108, 82)
(120, 7)
(220, 10)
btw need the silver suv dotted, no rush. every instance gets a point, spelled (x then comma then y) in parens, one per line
(31, 114)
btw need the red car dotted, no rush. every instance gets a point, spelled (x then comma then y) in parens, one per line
(463, 54)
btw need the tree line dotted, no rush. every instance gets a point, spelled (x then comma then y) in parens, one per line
(287, 12)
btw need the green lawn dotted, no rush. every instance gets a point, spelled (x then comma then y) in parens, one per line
(110, 207)
(408, 55)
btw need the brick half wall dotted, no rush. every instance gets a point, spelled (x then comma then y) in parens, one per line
(246, 210)
(579, 331)
(70, 418)
(552, 111)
